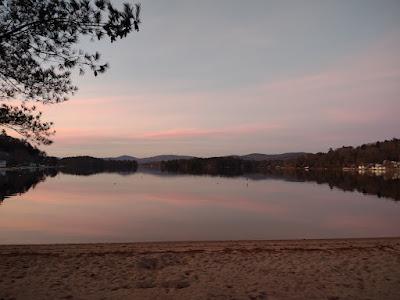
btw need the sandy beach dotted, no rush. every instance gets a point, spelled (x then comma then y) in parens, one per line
(298, 269)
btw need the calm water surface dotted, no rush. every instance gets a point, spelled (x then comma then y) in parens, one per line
(146, 207)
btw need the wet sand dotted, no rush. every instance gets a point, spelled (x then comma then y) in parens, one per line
(299, 269)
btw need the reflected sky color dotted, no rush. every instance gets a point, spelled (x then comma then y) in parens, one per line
(227, 77)
(144, 207)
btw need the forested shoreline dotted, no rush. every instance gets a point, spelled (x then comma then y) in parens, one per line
(386, 154)
(18, 153)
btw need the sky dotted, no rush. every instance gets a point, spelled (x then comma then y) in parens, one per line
(210, 78)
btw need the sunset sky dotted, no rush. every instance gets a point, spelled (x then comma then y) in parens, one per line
(212, 78)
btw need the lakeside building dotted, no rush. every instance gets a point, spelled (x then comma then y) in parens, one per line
(378, 167)
(3, 163)
(392, 167)
(385, 166)
(391, 164)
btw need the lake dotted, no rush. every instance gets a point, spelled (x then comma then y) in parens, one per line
(143, 206)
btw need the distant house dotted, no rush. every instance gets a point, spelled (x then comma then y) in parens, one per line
(378, 168)
(3, 164)
(391, 164)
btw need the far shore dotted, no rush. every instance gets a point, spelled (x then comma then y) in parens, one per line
(279, 269)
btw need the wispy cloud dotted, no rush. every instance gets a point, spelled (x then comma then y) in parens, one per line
(356, 100)
(78, 135)
(213, 132)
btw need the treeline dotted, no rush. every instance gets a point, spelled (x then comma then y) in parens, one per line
(226, 166)
(349, 156)
(87, 165)
(334, 159)
(17, 151)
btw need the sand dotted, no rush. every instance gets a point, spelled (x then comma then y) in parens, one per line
(299, 269)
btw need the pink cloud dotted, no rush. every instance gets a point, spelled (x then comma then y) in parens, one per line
(193, 132)
(356, 92)
(78, 135)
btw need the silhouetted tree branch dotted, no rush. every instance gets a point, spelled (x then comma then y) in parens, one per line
(38, 53)
(26, 122)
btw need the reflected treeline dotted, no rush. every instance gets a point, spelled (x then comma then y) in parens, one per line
(386, 185)
(94, 171)
(19, 182)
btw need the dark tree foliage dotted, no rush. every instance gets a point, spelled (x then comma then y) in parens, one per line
(224, 166)
(22, 181)
(87, 165)
(27, 122)
(19, 152)
(381, 186)
(348, 156)
(334, 159)
(38, 52)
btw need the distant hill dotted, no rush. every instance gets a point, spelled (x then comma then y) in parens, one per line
(346, 156)
(123, 157)
(266, 157)
(159, 158)
(385, 152)
(152, 159)
(169, 157)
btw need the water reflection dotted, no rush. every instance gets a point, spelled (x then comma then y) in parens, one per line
(19, 182)
(383, 185)
(89, 172)
(50, 206)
